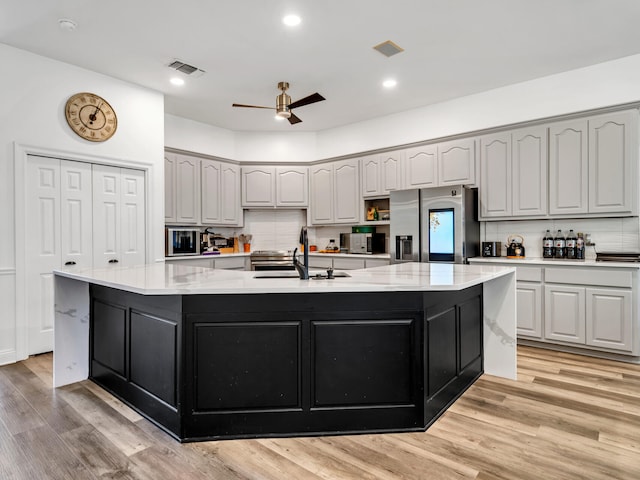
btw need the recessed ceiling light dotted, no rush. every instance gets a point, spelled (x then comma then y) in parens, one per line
(291, 20)
(67, 24)
(390, 83)
(177, 81)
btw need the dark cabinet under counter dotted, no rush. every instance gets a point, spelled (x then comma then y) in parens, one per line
(206, 367)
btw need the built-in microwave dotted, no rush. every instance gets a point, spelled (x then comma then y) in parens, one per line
(182, 241)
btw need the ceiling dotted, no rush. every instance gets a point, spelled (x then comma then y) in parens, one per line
(452, 48)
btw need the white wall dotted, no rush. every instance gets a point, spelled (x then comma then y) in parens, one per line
(32, 115)
(192, 136)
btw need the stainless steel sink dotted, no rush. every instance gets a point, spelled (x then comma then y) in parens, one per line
(293, 274)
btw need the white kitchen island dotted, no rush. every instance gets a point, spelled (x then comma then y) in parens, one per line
(369, 340)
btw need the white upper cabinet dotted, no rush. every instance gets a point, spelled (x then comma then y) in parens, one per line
(292, 186)
(592, 165)
(220, 193)
(513, 173)
(421, 167)
(170, 187)
(382, 173)
(230, 195)
(529, 171)
(371, 173)
(335, 193)
(495, 176)
(258, 186)
(321, 202)
(211, 181)
(347, 200)
(568, 167)
(613, 158)
(265, 186)
(457, 162)
(187, 190)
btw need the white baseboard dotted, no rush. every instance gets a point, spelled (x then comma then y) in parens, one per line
(7, 356)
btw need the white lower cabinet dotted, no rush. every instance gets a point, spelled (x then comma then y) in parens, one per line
(595, 308)
(529, 301)
(564, 313)
(609, 318)
(345, 263)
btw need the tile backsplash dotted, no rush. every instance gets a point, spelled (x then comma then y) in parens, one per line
(608, 234)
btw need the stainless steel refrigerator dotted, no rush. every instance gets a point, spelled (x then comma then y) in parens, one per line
(434, 225)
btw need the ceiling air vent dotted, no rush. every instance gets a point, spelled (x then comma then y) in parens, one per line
(186, 68)
(388, 48)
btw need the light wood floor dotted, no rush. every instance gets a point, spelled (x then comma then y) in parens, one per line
(567, 417)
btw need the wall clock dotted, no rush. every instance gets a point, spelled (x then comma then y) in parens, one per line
(91, 117)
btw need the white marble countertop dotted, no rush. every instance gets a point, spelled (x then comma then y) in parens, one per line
(551, 262)
(311, 254)
(179, 279)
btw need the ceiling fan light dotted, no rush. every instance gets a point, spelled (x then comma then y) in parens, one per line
(283, 113)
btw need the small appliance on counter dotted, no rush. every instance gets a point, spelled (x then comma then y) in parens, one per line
(491, 249)
(515, 248)
(362, 239)
(182, 241)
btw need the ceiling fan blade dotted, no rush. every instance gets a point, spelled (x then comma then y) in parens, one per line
(251, 106)
(313, 98)
(293, 119)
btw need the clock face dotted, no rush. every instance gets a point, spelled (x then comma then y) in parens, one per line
(91, 117)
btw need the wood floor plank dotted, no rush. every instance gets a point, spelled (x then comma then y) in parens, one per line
(123, 433)
(567, 417)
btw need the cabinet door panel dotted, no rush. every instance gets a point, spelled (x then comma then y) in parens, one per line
(371, 183)
(612, 157)
(230, 195)
(321, 194)
(529, 171)
(495, 175)
(529, 300)
(292, 186)
(421, 167)
(169, 187)
(391, 172)
(456, 162)
(609, 318)
(187, 190)
(211, 180)
(346, 178)
(564, 313)
(568, 168)
(258, 187)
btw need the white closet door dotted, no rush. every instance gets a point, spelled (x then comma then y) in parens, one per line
(76, 231)
(132, 233)
(42, 244)
(106, 216)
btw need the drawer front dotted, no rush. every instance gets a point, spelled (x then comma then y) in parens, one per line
(529, 274)
(589, 276)
(348, 263)
(376, 262)
(236, 263)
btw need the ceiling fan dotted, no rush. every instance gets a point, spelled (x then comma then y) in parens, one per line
(284, 106)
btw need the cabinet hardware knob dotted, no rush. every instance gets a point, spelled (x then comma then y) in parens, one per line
(71, 262)
(113, 260)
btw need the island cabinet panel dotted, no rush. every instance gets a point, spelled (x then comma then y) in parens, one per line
(135, 352)
(206, 367)
(247, 365)
(365, 362)
(453, 347)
